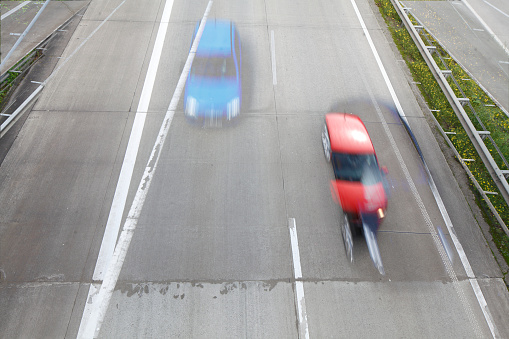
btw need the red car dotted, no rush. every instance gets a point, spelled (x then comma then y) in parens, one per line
(360, 186)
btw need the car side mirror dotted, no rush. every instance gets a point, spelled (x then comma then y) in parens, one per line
(384, 170)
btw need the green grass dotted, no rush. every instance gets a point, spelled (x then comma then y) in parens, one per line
(492, 117)
(9, 83)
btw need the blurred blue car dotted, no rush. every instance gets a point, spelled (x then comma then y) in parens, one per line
(213, 89)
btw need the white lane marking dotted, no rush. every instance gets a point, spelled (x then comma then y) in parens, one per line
(295, 248)
(497, 9)
(15, 9)
(475, 286)
(100, 307)
(299, 284)
(124, 180)
(486, 26)
(273, 55)
(126, 171)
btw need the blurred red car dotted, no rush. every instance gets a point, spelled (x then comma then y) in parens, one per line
(360, 186)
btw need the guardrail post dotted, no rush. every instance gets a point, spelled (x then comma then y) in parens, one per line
(463, 101)
(483, 134)
(431, 49)
(505, 173)
(447, 73)
(456, 104)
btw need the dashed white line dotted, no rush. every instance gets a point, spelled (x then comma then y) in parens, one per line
(300, 300)
(273, 56)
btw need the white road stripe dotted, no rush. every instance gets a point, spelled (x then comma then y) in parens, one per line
(299, 284)
(124, 180)
(100, 306)
(273, 55)
(475, 286)
(15, 9)
(497, 39)
(497, 9)
(126, 172)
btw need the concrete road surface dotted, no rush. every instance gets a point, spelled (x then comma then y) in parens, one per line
(16, 17)
(213, 250)
(476, 34)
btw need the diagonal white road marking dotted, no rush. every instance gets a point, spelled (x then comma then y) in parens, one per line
(98, 307)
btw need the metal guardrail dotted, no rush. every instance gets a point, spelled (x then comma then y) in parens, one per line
(456, 103)
(465, 102)
(23, 67)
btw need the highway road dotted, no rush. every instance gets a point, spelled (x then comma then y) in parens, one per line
(230, 232)
(481, 47)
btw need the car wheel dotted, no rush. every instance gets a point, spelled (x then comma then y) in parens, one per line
(346, 232)
(326, 143)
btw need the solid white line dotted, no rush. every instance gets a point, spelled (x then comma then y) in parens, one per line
(15, 9)
(126, 171)
(299, 285)
(124, 180)
(479, 295)
(502, 12)
(486, 26)
(273, 55)
(301, 307)
(115, 266)
(295, 248)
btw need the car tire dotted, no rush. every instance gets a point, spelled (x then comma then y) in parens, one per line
(326, 143)
(346, 232)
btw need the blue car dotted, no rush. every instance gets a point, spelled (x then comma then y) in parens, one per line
(213, 90)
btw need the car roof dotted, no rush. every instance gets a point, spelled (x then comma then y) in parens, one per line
(348, 134)
(216, 38)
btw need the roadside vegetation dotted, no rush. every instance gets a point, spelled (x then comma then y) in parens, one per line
(490, 115)
(6, 87)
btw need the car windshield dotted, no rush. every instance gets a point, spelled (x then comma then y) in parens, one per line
(356, 167)
(213, 67)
